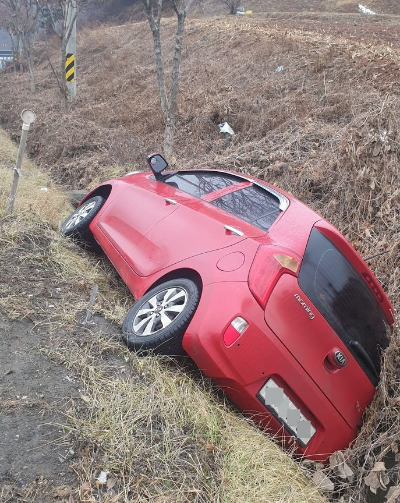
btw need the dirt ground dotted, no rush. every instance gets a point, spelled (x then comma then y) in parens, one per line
(34, 393)
(37, 453)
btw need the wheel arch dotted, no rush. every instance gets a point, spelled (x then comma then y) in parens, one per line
(103, 191)
(183, 272)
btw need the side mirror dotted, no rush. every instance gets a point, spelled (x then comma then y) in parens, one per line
(157, 164)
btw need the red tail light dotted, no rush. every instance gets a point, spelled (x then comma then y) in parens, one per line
(236, 328)
(268, 266)
(374, 287)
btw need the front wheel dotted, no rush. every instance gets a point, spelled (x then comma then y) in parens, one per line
(77, 224)
(158, 321)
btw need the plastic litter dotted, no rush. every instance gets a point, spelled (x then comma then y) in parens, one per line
(224, 127)
(365, 10)
(279, 69)
(102, 478)
(241, 11)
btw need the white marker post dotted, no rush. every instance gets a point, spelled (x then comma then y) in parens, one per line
(27, 116)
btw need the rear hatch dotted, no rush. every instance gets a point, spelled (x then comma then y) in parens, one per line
(331, 321)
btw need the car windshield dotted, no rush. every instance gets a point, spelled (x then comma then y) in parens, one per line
(345, 301)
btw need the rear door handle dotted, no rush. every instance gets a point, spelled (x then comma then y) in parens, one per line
(233, 230)
(168, 200)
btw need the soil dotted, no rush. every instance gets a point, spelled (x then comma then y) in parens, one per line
(36, 455)
(34, 393)
(37, 451)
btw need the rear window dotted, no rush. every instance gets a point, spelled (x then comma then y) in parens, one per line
(253, 204)
(344, 300)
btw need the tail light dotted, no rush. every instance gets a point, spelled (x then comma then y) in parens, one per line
(235, 330)
(268, 266)
(374, 287)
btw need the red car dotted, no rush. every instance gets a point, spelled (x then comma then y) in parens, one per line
(266, 297)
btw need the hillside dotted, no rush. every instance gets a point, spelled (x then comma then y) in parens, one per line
(325, 127)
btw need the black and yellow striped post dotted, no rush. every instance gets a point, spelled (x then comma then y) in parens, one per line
(70, 14)
(70, 67)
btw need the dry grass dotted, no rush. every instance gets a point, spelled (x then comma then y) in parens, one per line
(159, 430)
(162, 434)
(37, 195)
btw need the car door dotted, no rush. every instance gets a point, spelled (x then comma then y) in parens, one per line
(214, 219)
(189, 231)
(133, 210)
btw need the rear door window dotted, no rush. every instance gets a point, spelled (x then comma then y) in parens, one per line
(253, 204)
(198, 183)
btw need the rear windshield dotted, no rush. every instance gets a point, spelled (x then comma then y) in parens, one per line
(345, 301)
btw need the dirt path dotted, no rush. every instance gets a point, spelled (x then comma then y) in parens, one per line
(34, 392)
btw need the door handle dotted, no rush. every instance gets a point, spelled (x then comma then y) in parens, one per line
(233, 230)
(168, 200)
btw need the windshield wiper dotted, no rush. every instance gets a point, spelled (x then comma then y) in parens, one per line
(366, 359)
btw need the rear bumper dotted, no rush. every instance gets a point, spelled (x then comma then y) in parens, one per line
(243, 368)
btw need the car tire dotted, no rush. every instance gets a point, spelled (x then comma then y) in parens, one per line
(77, 224)
(158, 321)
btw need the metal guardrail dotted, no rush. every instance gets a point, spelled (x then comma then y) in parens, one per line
(5, 56)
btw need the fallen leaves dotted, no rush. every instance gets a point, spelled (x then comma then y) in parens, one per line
(393, 495)
(322, 481)
(340, 467)
(377, 477)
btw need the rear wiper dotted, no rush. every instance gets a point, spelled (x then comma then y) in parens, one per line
(366, 359)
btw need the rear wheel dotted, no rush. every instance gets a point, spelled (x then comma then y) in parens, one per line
(77, 224)
(158, 321)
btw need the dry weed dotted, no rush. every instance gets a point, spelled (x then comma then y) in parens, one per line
(160, 433)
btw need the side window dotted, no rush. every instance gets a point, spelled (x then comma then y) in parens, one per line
(198, 183)
(252, 204)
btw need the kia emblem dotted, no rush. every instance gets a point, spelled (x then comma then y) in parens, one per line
(340, 359)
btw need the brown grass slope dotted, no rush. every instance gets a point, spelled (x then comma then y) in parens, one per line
(326, 128)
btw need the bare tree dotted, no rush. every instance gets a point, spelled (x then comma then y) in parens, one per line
(168, 97)
(232, 5)
(20, 19)
(61, 14)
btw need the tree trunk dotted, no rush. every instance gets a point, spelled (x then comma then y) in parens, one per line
(169, 136)
(160, 71)
(31, 72)
(14, 48)
(168, 100)
(172, 112)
